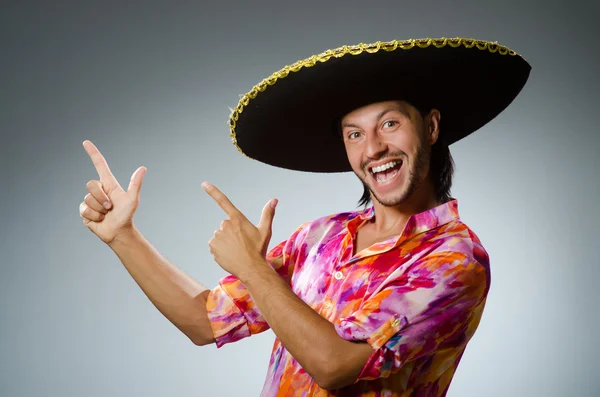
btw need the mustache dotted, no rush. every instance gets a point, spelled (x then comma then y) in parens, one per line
(399, 153)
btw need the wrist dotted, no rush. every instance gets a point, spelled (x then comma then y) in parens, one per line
(125, 237)
(257, 269)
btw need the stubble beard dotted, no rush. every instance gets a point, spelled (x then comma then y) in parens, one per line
(416, 174)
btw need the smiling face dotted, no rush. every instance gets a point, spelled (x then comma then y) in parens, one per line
(388, 145)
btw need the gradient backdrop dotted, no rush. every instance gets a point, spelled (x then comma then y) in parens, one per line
(151, 84)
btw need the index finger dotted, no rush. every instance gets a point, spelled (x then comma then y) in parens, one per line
(221, 200)
(100, 163)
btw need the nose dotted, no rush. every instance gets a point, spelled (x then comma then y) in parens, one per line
(375, 146)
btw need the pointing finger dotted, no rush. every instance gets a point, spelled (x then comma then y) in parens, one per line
(221, 200)
(106, 177)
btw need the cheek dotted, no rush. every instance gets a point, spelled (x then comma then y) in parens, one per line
(404, 142)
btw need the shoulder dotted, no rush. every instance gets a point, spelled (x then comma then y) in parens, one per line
(457, 255)
(456, 237)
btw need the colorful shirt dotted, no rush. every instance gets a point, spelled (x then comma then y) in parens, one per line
(416, 298)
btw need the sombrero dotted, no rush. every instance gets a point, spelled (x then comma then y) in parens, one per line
(289, 119)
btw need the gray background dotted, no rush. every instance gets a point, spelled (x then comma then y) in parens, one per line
(151, 83)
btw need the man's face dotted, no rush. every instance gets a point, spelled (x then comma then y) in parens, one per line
(388, 146)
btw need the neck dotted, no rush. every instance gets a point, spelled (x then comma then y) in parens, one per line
(392, 220)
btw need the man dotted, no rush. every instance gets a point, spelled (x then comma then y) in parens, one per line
(376, 302)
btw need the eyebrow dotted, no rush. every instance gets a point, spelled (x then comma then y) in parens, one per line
(379, 116)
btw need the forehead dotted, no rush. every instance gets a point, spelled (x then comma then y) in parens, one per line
(374, 109)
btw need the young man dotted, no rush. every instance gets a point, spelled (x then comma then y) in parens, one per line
(375, 302)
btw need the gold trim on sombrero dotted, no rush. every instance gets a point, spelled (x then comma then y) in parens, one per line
(339, 52)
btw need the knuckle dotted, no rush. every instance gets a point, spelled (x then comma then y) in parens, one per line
(89, 213)
(90, 184)
(93, 203)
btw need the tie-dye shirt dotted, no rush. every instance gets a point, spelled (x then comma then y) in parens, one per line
(416, 298)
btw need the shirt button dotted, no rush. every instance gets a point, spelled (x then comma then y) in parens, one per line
(339, 275)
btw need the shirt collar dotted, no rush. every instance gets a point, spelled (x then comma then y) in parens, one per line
(417, 223)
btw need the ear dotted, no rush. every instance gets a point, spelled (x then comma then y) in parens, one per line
(433, 126)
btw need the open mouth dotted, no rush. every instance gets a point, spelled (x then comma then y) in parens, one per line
(386, 172)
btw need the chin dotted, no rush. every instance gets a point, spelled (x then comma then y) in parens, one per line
(390, 194)
(390, 200)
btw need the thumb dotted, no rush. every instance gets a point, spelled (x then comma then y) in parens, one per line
(136, 183)
(266, 219)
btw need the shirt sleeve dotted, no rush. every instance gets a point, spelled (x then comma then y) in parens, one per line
(417, 311)
(230, 308)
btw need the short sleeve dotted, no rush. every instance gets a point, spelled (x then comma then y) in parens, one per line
(231, 310)
(416, 312)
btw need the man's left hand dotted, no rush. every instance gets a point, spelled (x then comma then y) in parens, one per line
(238, 246)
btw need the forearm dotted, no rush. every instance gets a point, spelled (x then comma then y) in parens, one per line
(310, 338)
(176, 295)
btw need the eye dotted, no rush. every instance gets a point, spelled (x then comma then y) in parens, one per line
(353, 135)
(390, 123)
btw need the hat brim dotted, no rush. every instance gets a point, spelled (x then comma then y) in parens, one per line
(288, 120)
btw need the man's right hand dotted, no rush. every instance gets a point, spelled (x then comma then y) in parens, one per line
(108, 221)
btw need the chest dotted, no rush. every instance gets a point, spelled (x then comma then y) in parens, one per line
(366, 237)
(337, 276)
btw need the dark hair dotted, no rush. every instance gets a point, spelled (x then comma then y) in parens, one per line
(441, 170)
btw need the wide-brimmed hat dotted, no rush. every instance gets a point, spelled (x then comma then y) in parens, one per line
(289, 119)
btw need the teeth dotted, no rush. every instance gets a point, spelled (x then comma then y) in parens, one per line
(383, 180)
(384, 167)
